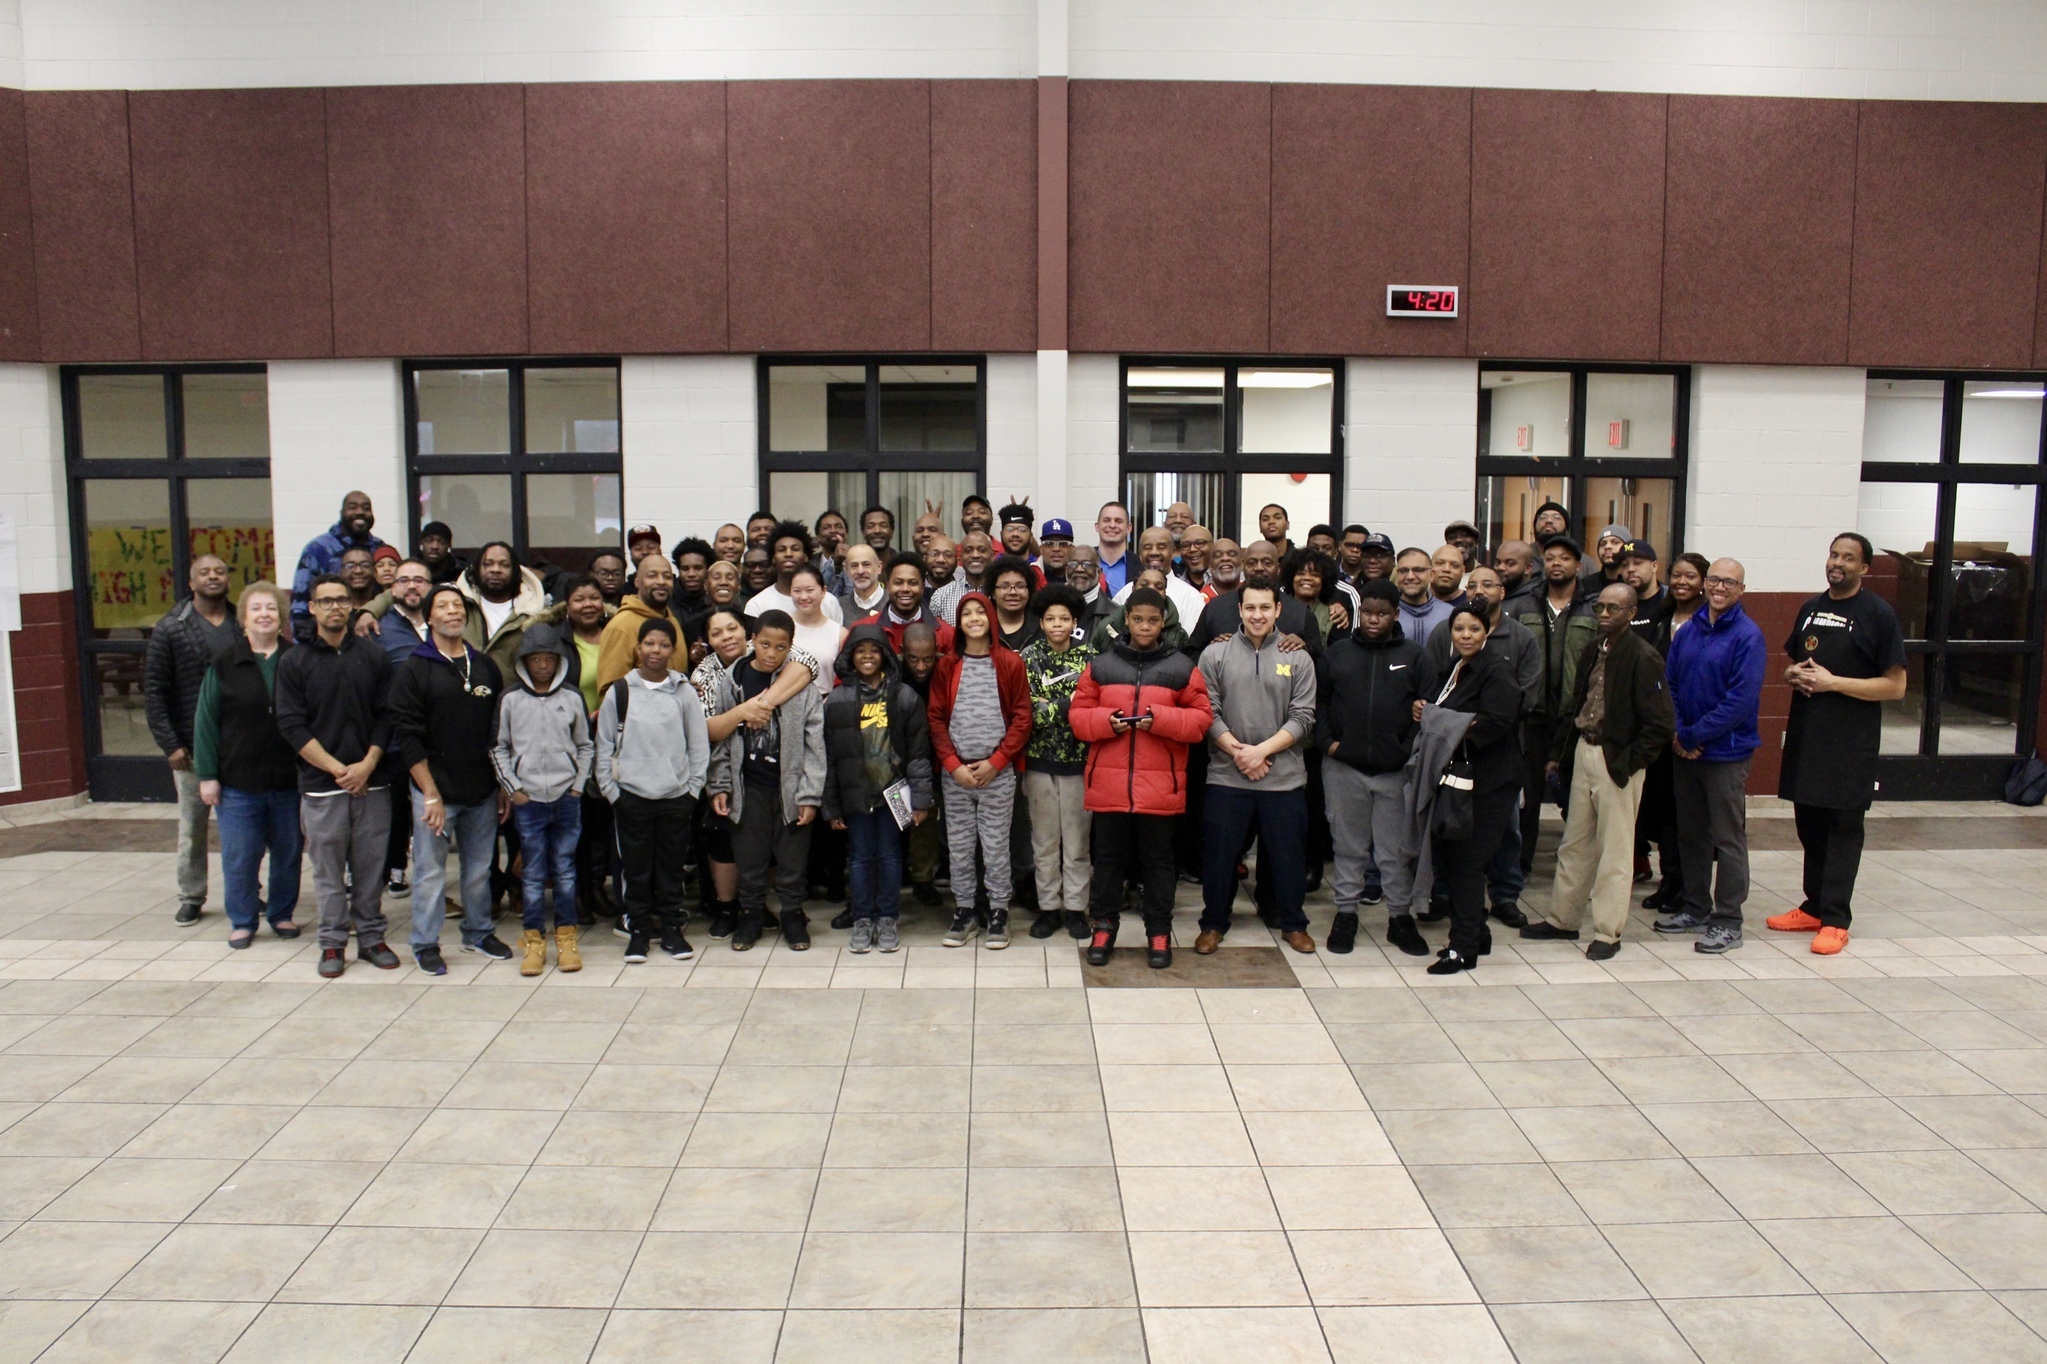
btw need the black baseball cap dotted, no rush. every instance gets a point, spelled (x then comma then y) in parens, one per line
(1638, 549)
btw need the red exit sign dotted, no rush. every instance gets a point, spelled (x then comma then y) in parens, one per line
(1421, 300)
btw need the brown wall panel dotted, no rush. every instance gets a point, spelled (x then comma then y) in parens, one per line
(84, 204)
(1759, 230)
(1947, 233)
(20, 338)
(984, 209)
(1170, 226)
(625, 216)
(830, 193)
(1371, 186)
(50, 725)
(231, 224)
(1566, 224)
(429, 194)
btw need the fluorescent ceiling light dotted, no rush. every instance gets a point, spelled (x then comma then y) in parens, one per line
(2034, 392)
(1284, 378)
(1176, 378)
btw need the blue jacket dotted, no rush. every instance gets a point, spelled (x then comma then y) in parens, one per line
(322, 554)
(1716, 684)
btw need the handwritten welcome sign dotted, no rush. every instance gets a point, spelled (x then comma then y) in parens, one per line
(134, 583)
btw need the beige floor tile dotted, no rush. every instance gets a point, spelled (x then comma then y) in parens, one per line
(391, 1084)
(1145, 1006)
(1740, 1330)
(1787, 1186)
(220, 1263)
(1230, 1335)
(1972, 1122)
(1910, 1074)
(1066, 1044)
(815, 1043)
(305, 1192)
(1793, 1075)
(414, 1038)
(1161, 1044)
(736, 1269)
(1457, 1137)
(646, 1088)
(1930, 1182)
(1609, 1132)
(28, 1184)
(897, 1140)
(422, 1195)
(1997, 1250)
(1039, 1139)
(872, 1200)
(1861, 1255)
(320, 1333)
(775, 1089)
(1402, 1335)
(1852, 1125)
(589, 1198)
(1036, 1089)
(140, 1190)
(1184, 1198)
(906, 1089)
(1591, 1333)
(774, 1140)
(223, 1130)
(1703, 1260)
(912, 1044)
(34, 1079)
(1938, 1328)
(267, 1080)
(1048, 1270)
(1380, 1268)
(1496, 1196)
(1705, 1130)
(27, 1328)
(1185, 1139)
(452, 1136)
(1029, 1199)
(586, 1137)
(1167, 1089)
(152, 1333)
(1030, 1335)
(73, 1259)
(870, 1337)
(398, 1265)
(1346, 1197)
(1424, 1084)
(477, 1335)
(656, 1336)
(1319, 1139)
(1548, 1084)
(1274, 1044)
(1215, 1269)
(1045, 1008)
(345, 1134)
(872, 1270)
(1296, 1088)
(59, 1129)
(538, 1085)
(736, 1200)
(1612, 1037)
(1671, 1079)
(1631, 1191)
(546, 1269)
(142, 1079)
(1417, 1043)
(1543, 1264)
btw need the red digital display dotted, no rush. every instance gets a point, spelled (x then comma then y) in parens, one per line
(1421, 300)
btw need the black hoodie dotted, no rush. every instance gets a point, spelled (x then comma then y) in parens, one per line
(445, 714)
(848, 789)
(1368, 691)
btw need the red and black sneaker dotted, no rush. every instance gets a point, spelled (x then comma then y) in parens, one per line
(1161, 954)
(1102, 943)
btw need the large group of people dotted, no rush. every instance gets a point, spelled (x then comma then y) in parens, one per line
(1046, 726)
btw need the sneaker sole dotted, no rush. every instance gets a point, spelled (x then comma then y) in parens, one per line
(632, 960)
(690, 955)
(1716, 951)
(1679, 932)
(994, 944)
(962, 940)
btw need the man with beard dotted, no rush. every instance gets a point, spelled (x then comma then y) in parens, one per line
(977, 514)
(1605, 568)
(1178, 517)
(1084, 575)
(1375, 560)
(941, 561)
(1055, 550)
(1155, 550)
(641, 541)
(760, 529)
(729, 543)
(907, 605)
(1515, 562)
(1551, 520)
(1447, 567)
(1465, 536)
(878, 528)
(1225, 568)
(1294, 624)
(181, 649)
(1016, 520)
(1421, 610)
(758, 568)
(1273, 525)
(650, 599)
(359, 570)
(401, 630)
(323, 553)
(607, 569)
(831, 551)
(1350, 553)
(864, 590)
(977, 551)
(504, 598)
(789, 548)
(437, 551)
(688, 604)
(1559, 616)
(929, 527)
(1192, 565)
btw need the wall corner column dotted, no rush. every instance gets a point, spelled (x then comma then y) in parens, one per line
(1052, 286)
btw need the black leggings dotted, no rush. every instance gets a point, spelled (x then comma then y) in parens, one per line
(1461, 864)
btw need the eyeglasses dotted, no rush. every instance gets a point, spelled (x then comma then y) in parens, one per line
(1723, 582)
(329, 601)
(1612, 608)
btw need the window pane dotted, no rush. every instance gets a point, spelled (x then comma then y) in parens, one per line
(905, 495)
(464, 411)
(1640, 504)
(477, 507)
(569, 517)
(128, 549)
(1305, 497)
(1150, 494)
(930, 407)
(1901, 421)
(817, 407)
(2000, 424)
(1902, 718)
(1993, 561)
(1286, 411)
(1507, 505)
(1176, 411)
(1524, 413)
(227, 416)
(121, 416)
(572, 411)
(124, 728)
(230, 518)
(807, 495)
(1631, 416)
(1979, 706)
(1898, 519)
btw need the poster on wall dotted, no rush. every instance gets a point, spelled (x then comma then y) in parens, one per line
(134, 583)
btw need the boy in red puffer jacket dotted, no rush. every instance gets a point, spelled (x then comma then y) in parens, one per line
(1139, 708)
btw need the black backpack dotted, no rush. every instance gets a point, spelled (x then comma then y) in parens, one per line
(2027, 784)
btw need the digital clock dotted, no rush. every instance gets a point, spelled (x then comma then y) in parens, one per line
(1421, 300)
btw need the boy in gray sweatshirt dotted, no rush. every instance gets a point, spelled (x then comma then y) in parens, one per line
(542, 756)
(652, 757)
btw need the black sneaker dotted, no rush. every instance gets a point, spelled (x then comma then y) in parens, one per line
(1601, 951)
(396, 885)
(675, 945)
(1402, 933)
(1077, 925)
(1343, 933)
(796, 930)
(332, 963)
(188, 913)
(636, 949)
(429, 961)
(1665, 897)
(1048, 922)
(966, 926)
(998, 930)
(489, 945)
(1158, 951)
(746, 930)
(844, 919)
(1541, 930)
(1374, 894)
(1101, 944)
(1435, 913)
(721, 923)
(1449, 964)
(924, 893)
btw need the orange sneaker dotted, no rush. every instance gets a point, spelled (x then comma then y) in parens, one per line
(1795, 921)
(1830, 941)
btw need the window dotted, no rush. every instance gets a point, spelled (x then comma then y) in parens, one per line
(1951, 479)
(521, 451)
(1609, 444)
(164, 465)
(847, 434)
(1230, 437)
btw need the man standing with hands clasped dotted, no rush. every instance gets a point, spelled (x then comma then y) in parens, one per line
(1847, 659)
(181, 649)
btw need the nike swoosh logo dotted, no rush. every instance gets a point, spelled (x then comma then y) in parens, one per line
(1395, 667)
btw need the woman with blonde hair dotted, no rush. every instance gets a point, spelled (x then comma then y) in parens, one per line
(246, 770)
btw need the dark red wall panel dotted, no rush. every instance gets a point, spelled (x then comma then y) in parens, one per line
(1371, 186)
(1170, 227)
(84, 206)
(1566, 224)
(984, 211)
(49, 723)
(20, 338)
(830, 192)
(231, 224)
(625, 216)
(1947, 233)
(429, 193)
(1759, 230)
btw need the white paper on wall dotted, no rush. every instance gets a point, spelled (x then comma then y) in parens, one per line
(10, 576)
(10, 621)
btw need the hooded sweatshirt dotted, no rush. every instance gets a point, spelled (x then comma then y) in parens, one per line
(615, 652)
(873, 734)
(442, 713)
(661, 751)
(543, 746)
(1013, 700)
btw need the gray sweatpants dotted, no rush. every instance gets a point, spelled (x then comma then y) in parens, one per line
(191, 839)
(980, 814)
(347, 838)
(1712, 827)
(1367, 825)
(1060, 825)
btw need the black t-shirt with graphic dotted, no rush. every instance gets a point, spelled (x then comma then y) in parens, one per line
(763, 746)
(1832, 740)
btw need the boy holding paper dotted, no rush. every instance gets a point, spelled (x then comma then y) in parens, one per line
(878, 778)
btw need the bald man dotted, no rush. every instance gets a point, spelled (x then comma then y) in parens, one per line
(322, 554)
(1155, 550)
(1515, 560)
(1194, 545)
(1178, 517)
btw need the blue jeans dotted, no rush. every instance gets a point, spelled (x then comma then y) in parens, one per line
(874, 889)
(475, 831)
(252, 823)
(547, 840)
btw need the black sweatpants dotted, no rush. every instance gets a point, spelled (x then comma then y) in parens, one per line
(765, 845)
(1534, 777)
(653, 840)
(596, 849)
(1461, 865)
(1118, 842)
(1832, 840)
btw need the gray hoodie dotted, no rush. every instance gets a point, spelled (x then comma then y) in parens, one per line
(662, 750)
(1256, 693)
(803, 752)
(543, 737)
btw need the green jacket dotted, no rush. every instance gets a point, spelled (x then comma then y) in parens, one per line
(1053, 678)
(1637, 726)
(1563, 640)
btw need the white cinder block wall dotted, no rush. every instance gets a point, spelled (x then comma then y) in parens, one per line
(1092, 460)
(1776, 468)
(335, 426)
(1013, 432)
(1410, 446)
(32, 488)
(689, 442)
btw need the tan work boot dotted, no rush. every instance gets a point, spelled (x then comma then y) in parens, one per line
(535, 943)
(568, 956)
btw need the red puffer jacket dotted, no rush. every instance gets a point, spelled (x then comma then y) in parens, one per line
(1142, 772)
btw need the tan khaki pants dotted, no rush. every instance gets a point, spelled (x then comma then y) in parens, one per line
(1596, 861)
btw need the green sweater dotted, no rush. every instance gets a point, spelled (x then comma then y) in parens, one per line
(206, 720)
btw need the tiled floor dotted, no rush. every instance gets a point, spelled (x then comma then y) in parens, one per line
(941, 1155)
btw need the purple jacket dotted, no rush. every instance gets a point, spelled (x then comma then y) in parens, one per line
(1716, 684)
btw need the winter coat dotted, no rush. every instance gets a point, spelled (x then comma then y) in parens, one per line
(1637, 726)
(1485, 691)
(847, 789)
(1010, 684)
(172, 671)
(1513, 643)
(446, 717)
(529, 604)
(894, 628)
(1054, 678)
(543, 743)
(1367, 693)
(802, 752)
(1563, 641)
(1140, 771)
(321, 555)
(617, 651)
(1716, 684)
(658, 749)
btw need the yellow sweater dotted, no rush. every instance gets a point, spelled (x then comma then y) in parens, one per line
(615, 652)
